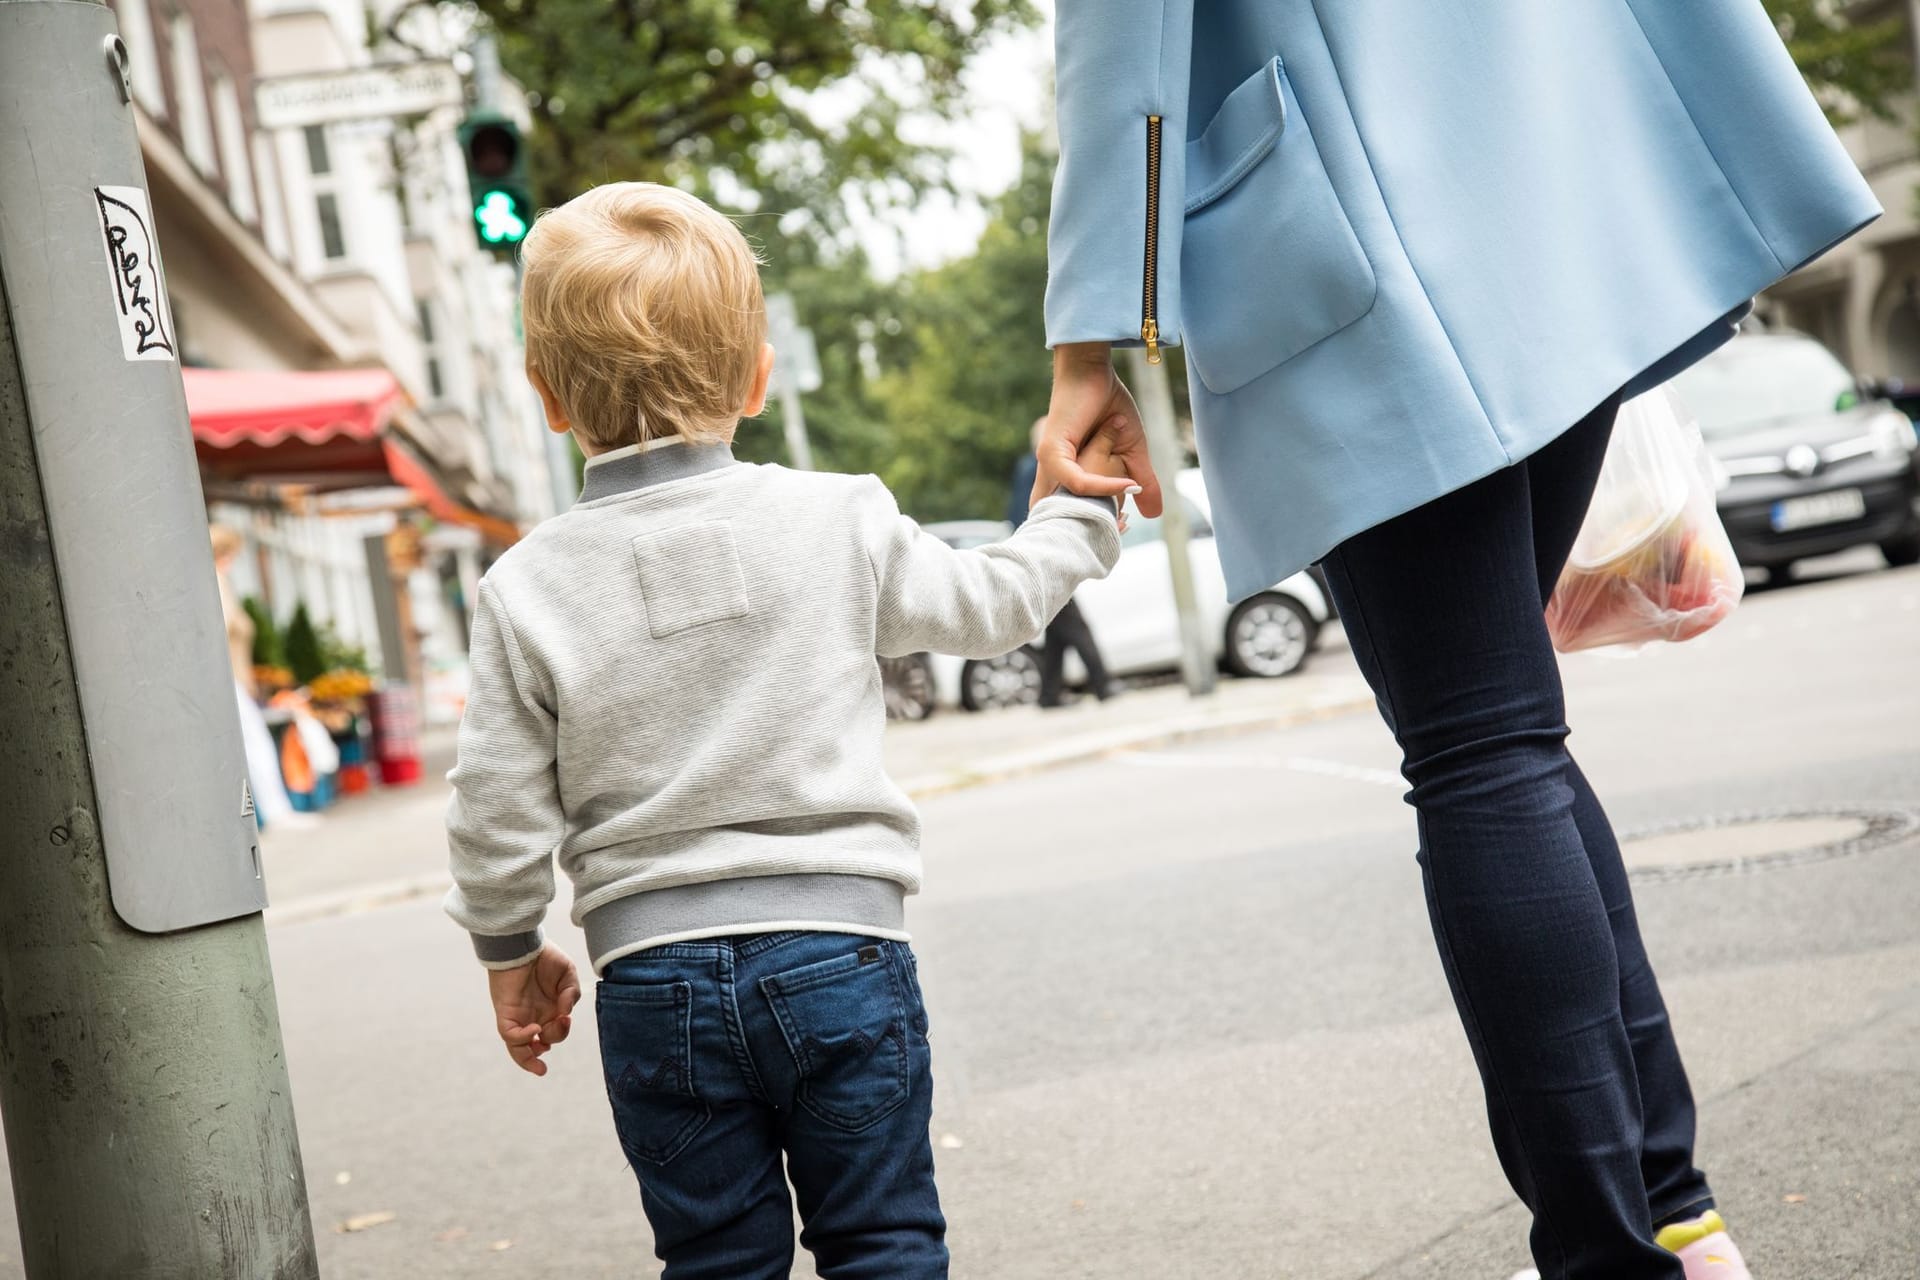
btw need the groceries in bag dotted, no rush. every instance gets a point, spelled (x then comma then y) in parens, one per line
(1652, 561)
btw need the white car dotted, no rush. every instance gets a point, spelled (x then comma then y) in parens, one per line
(1131, 614)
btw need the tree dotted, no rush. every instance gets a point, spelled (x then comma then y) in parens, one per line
(268, 648)
(975, 371)
(1853, 68)
(790, 105)
(304, 656)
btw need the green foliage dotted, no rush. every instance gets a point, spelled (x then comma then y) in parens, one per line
(961, 407)
(724, 96)
(304, 655)
(931, 381)
(337, 655)
(269, 648)
(1853, 68)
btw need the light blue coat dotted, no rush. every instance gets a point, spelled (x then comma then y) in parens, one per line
(1409, 242)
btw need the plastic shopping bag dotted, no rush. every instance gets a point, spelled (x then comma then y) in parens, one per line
(1652, 561)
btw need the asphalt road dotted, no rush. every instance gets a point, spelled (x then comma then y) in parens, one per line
(1188, 1021)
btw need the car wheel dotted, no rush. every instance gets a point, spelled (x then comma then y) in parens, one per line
(907, 685)
(1010, 680)
(1902, 552)
(1269, 635)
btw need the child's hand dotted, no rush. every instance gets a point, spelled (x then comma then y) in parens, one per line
(1097, 453)
(533, 1005)
(1097, 456)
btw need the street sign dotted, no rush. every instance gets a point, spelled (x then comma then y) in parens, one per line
(365, 93)
(793, 347)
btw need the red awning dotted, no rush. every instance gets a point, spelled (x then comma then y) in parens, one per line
(267, 407)
(324, 431)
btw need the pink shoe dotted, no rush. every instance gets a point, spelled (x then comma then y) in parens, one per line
(1704, 1248)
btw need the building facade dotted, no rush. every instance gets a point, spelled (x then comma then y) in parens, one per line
(1863, 299)
(344, 245)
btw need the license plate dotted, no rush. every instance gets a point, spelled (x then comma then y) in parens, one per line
(1819, 508)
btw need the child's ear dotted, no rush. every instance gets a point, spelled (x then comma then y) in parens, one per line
(762, 374)
(556, 413)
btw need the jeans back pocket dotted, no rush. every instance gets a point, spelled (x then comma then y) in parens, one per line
(646, 1051)
(1269, 261)
(845, 1022)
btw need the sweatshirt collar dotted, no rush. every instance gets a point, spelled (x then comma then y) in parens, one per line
(637, 467)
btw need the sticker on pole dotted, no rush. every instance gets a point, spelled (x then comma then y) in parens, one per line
(133, 261)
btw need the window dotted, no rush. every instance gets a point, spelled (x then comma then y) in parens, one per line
(319, 162)
(190, 95)
(143, 56)
(333, 241)
(234, 162)
(273, 214)
(436, 381)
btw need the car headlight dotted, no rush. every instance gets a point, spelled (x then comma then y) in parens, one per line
(1893, 435)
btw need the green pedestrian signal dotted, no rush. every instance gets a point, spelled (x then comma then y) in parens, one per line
(499, 219)
(497, 177)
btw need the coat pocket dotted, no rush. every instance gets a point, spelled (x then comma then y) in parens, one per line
(1269, 262)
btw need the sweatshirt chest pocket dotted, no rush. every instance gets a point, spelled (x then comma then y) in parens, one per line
(690, 577)
(1269, 261)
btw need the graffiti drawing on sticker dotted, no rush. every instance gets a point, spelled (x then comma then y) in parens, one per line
(139, 296)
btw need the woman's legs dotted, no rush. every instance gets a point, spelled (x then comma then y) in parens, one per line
(1446, 618)
(1560, 482)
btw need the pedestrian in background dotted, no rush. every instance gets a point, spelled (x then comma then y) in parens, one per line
(674, 693)
(271, 804)
(1418, 251)
(1069, 629)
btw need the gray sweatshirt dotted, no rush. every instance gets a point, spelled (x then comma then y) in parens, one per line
(675, 695)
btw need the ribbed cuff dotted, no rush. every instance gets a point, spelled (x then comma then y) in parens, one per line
(510, 951)
(1109, 505)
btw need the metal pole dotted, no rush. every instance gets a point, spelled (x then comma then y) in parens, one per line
(149, 1126)
(794, 419)
(1154, 394)
(1913, 35)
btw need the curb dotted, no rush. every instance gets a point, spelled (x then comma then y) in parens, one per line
(1057, 755)
(1095, 746)
(388, 893)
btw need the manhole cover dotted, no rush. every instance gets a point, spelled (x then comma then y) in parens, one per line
(1735, 843)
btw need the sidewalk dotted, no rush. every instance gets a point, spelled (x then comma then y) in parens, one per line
(390, 845)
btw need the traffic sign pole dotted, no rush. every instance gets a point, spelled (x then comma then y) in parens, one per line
(1151, 384)
(796, 370)
(149, 1127)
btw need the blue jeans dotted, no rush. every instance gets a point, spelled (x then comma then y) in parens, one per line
(725, 1055)
(1590, 1108)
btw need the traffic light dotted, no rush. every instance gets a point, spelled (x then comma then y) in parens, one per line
(497, 177)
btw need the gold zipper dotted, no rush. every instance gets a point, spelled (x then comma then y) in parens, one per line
(1149, 302)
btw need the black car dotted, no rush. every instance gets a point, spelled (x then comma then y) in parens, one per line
(1807, 464)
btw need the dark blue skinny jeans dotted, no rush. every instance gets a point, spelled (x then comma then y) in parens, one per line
(1590, 1108)
(727, 1057)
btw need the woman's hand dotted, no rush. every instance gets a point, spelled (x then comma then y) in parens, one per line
(1088, 395)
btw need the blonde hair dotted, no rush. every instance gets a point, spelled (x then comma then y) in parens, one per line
(226, 540)
(642, 311)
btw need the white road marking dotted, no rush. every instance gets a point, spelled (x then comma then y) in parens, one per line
(1351, 772)
(1251, 760)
